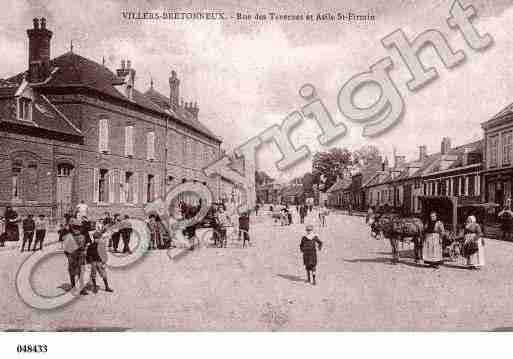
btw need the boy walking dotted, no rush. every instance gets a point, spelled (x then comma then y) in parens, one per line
(308, 247)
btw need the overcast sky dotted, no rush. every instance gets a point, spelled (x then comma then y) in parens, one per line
(245, 76)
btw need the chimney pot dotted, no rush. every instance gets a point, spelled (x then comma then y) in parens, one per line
(174, 90)
(39, 51)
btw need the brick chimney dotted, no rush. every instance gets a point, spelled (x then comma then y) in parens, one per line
(445, 147)
(465, 157)
(194, 110)
(399, 161)
(39, 51)
(422, 152)
(174, 90)
(127, 74)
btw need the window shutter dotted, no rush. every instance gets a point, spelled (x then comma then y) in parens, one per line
(129, 140)
(96, 187)
(150, 140)
(135, 187)
(112, 181)
(103, 135)
(123, 188)
(157, 187)
(144, 185)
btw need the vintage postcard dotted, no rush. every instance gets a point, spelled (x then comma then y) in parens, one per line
(256, 166)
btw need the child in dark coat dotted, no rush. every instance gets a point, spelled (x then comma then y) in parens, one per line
(308, 247)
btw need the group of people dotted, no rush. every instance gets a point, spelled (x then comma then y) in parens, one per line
(472, 242)
(33, 229)
(430, 248)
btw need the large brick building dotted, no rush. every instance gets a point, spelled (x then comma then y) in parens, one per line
(72, 130)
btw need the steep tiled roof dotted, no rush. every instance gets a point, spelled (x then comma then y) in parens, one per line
(77, 71)
(473, 148)
(180, 113)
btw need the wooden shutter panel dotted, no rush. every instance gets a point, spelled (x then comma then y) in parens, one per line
(144, 187)
(150, 141)
(112, 181)
(122, 186)
(157, 187)
(96, 188)
(104, 135)
(135, 187)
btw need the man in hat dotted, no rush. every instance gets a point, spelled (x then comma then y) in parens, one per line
(74, 244)
(29, 227)
(96, 256)
(308, 247)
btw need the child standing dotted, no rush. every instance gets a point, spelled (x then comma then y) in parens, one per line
(41, 226)
(96, 257)
(308, 247)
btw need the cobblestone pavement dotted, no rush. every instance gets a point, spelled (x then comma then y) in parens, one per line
(263, 288)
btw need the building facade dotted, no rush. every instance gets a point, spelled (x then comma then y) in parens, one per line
(73, 130)
(498, 157)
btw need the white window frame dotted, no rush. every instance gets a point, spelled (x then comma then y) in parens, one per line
(507, 145)
(103, 135)
(129, 141)
(22, 113)
(150, 145)
(494, 150)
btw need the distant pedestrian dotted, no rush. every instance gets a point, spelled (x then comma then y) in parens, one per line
(350, 209)
(126, 232)
(308, 247)
(41, 224)
(323, 212)
(302, 214)
(96, 256)
(116, 236)
(257, 207)
(154, 231)
(244, 228)
(29, 227)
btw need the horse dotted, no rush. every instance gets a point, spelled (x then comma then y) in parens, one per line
(396, 229)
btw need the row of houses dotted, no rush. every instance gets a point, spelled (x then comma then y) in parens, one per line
(73, 130)
(475, 172)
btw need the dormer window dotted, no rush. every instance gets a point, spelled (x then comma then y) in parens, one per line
(24, 109)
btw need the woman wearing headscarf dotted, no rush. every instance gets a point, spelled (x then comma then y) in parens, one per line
(474, 244)
(432, 247)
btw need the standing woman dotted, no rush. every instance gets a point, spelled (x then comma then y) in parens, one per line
(11, 224)
(432, 248)
(474, 244)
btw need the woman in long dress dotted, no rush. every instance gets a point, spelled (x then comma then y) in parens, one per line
(432, 248)
(473, 233)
